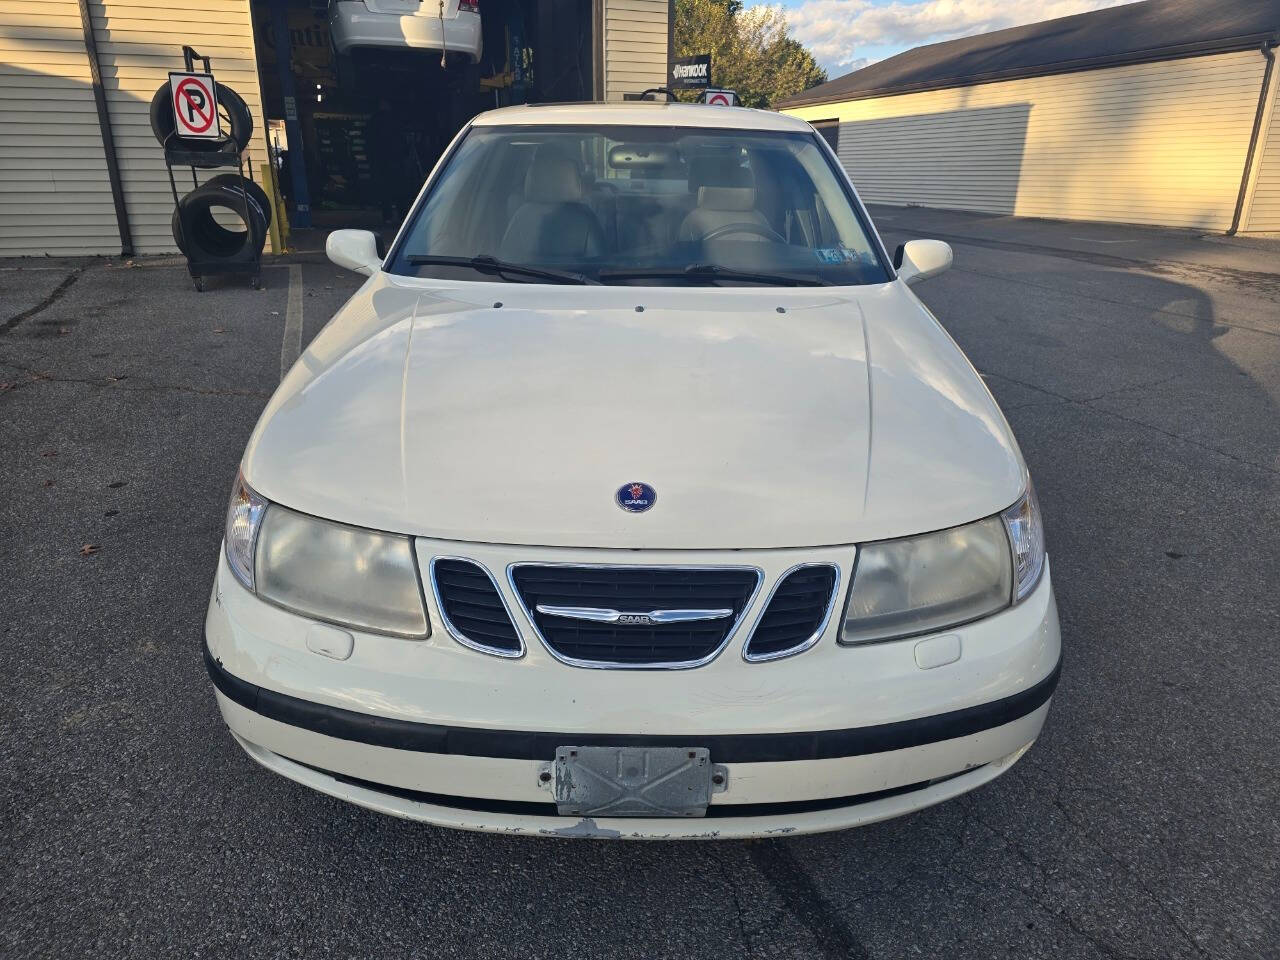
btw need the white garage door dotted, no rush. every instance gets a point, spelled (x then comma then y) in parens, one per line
(55, 197)
(1160, 143)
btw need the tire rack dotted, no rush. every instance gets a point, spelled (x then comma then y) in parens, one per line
(228, 155)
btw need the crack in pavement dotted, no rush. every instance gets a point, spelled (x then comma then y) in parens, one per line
(737, 906)
(1103, 946)
(1155, 312)
(1133, 386)
(1026, 859)
(1137, 878)
(1086, 404)
(1263, 283)
(40, 376)
(1133, 874)
(44, 304)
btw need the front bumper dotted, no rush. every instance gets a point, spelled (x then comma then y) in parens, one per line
(831, 738)
(353, 25)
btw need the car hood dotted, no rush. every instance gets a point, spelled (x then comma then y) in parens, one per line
(513, 413)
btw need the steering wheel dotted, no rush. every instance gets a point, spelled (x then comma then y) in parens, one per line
(756, 229)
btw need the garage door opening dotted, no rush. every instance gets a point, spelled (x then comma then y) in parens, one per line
(370, 92)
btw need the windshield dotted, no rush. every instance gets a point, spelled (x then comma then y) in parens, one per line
(639, 205)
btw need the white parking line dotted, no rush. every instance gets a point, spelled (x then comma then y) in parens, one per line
(291, 346)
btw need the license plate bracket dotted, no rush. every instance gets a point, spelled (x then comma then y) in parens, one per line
(635, 781)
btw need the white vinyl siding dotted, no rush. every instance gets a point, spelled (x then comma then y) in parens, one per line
(635, 46)
(139, 42)
(1157, 143)
(1264, 206)
(55, 197)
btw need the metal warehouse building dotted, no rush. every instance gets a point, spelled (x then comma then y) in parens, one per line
(1162, 112)
(81, 173)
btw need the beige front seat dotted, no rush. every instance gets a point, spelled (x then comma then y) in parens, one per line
(726, 196)
(554, 221)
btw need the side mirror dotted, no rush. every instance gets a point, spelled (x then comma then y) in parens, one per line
(354, 249)
(918, 260)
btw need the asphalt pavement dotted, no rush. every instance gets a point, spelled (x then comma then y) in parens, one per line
(1140, 370)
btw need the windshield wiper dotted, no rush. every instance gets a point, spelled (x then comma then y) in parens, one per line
(487, 264)
(713, 271)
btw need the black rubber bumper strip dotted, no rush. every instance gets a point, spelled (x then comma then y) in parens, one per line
(529, 745)
(737, 810)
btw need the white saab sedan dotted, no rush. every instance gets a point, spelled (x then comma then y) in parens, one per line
(635, 494)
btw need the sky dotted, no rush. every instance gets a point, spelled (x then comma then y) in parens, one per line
(846, 35)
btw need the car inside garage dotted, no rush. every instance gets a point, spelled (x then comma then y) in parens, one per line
(82, 77)
(361, 97)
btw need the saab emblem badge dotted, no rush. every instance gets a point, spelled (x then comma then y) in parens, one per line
(636, 497)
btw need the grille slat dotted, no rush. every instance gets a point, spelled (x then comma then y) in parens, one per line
(801, 603)
(635, 590)
(473, 607)
(787, 623)
(797, 609)
(476, 613)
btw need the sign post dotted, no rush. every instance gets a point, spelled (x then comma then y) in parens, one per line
(195, 106)
(691, 73)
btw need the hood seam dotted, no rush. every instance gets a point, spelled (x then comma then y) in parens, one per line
(871, 413)
(404, 398)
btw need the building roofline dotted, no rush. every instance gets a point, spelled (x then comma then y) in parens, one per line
(1153, 55)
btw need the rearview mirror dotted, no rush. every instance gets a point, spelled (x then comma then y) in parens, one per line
(919, 260)
(631, 156)
(354, 249)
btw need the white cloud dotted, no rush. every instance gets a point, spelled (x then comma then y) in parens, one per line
(838, 32)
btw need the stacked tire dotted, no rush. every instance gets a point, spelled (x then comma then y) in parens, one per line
(197, 231)
(195, 225)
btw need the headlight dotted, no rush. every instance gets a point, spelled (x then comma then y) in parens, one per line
(330, 571)
(1026, 534)
(926, 583)
(923, 584)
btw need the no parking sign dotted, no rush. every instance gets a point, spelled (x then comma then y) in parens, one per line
(195, 105)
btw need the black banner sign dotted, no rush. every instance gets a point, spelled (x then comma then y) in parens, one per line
(690, 73)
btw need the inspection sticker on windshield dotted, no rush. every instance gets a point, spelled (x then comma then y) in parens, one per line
(835, 254)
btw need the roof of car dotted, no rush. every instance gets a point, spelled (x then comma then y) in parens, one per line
(641, 113)
(1129, 33)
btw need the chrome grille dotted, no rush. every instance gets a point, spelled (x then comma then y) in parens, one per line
(796, 612)
(473, 610)
(631, 616)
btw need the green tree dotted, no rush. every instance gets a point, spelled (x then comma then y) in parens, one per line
(751, 51)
